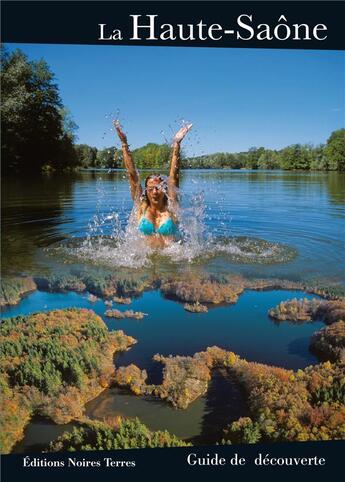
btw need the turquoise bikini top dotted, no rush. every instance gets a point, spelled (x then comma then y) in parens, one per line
(168, 228)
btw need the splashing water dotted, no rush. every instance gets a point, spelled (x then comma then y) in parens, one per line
(113, 239)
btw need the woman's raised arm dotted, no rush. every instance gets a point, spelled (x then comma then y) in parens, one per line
(133, 176)
(174, 174)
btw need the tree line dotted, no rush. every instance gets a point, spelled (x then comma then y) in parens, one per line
(328, 157)
(38, 134)
(150, 156)
(112, 434)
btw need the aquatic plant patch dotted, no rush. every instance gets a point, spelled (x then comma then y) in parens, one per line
(299, 311)
(195, 307)
(120, 315)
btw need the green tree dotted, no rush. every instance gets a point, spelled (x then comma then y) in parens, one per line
(335, 151)
(152, 156)
(295, 156)
(253, 156)
(318, 161)
(86, 155)
(268, 160)
(109, 157)
(36, 130)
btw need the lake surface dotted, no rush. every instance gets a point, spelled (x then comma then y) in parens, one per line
(302, 210)
(291, 224)
(168, 329)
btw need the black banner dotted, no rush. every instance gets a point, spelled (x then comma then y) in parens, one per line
(307, 460)
(293, 25)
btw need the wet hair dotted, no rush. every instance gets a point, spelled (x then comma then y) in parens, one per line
(144, 198)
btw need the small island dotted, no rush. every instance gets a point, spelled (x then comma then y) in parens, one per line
(121, 315)
(195, 307)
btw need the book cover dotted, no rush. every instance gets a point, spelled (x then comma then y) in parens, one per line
(172, 239)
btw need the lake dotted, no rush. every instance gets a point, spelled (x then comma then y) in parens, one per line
(304, 210)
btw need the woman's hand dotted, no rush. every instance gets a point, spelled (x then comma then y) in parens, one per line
(180, 135)
(121, 134)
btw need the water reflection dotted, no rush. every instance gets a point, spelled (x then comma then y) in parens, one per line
(225, 402)
(32, 211)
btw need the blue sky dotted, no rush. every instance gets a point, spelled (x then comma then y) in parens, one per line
(236, 98)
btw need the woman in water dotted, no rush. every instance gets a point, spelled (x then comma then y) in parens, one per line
(156, 205)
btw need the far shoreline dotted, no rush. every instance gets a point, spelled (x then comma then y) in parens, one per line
(242, 169)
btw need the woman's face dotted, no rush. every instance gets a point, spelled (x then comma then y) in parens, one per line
(155, 191)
